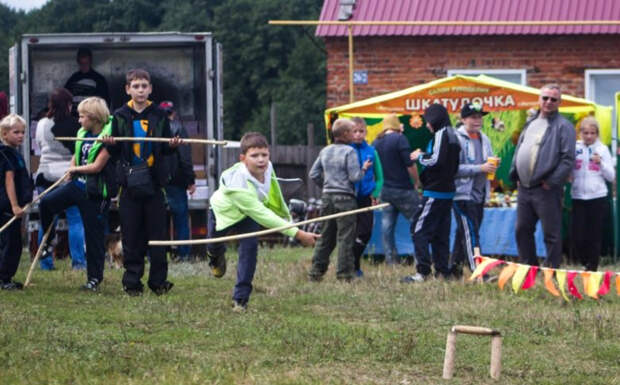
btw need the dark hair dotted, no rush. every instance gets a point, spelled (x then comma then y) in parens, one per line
(4, 105)
(84, 52)
(253, 140)
(135, 74)
(58, 105)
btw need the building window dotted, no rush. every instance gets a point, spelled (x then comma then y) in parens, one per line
(515, 76)
(601, 88)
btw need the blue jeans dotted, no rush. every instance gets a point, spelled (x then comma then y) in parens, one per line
(400, 200)
(177, 201)
(76, 239)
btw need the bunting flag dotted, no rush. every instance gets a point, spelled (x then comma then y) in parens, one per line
(519, 277)
(570, 282)
(549, 282)
(595, 283)
(530, 278)
(506, 274)
(604, 289)
(561, 276)
(484, 266)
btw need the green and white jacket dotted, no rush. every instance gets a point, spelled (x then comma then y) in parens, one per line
(240, 195)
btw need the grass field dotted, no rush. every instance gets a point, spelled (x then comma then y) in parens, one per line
(371, 331)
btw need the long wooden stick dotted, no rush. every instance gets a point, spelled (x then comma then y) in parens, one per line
(265, 232)
(26, 207)
(146, 139)
(39, 252)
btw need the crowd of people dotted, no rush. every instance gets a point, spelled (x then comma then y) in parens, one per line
(451, 174)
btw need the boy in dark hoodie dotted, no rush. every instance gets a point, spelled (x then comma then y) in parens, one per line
(143, 173)
(439, 164)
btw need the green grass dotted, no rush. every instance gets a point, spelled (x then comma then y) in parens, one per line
(372, 331)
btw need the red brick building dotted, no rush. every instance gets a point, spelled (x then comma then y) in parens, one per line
(583, 59)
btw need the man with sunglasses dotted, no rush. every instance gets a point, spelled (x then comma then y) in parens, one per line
(542, 163)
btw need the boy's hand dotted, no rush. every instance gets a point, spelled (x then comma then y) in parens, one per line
(191, 189)
(488, 167)
(108, 140)
(367, 165)
(306, 238)
(415, 155)
(596, 158)
(374, 201)
(17, 211)
(175, 142)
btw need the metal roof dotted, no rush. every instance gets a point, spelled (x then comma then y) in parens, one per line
(473, 10)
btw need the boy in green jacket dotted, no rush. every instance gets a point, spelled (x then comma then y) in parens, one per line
(248, 197)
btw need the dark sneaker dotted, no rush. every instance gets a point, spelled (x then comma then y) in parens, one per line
(218, 265)
(11, 285)
(415, 278)
(91, 285)
(133, 292)
(163, 289)
(359, 273)
(239, 306)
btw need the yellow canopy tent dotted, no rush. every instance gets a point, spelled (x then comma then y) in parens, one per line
(508, 104)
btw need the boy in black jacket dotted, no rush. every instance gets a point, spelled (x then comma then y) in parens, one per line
(143, 173)
(440, 164)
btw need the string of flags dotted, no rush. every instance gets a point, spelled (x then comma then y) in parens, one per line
(595, 284)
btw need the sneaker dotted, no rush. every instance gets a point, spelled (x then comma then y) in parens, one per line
(359, 273)
(11, 285)
(133, 292)
(91, 285)
(218, 265)
(163, 289)
(417, 277)
(239, 307)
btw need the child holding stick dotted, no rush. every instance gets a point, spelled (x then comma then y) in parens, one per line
(249, 196)
(15, 192)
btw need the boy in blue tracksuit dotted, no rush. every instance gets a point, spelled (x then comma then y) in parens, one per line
(367, 190)
(472, 186)
(440, 164)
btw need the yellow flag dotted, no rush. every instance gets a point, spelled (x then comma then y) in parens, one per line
(561, 276)
(505, 275)
(481, 266)
(549, 282)
(594, 283)
(519, 277)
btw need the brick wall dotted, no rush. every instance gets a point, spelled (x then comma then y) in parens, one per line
(394, 63)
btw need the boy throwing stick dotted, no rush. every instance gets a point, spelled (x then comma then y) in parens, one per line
(249, 196)
(337, 168)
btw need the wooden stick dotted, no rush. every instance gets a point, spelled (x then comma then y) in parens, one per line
(26, 207)
(268, 231)
(496, 356)
(448, 362)
(477, 330)
(39, 252)
(146, 139)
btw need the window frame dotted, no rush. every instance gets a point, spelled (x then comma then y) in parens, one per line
(490, 71)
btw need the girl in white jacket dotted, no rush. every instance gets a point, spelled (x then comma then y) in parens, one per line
(593, 168)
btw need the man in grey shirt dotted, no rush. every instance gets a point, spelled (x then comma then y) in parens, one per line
(543, 160)
(337, 169)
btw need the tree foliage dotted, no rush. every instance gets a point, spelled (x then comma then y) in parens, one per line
(263, 64)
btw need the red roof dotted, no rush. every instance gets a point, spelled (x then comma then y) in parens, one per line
(473, 10)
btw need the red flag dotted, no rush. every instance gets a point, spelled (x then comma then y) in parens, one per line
(530, 279)
(570, 278)
(606, 285)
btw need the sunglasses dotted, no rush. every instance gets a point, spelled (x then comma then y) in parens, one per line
(546, 98)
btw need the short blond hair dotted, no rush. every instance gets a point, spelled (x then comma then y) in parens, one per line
(341, 126)
(589, 121)
(95, 108)
(10, 121)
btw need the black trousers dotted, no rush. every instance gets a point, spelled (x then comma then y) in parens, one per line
(94, 216)
(468, 219)
(10, 244)
(143, 219)
(432, 227)
(535, 204)
(364, 230)
(588, 218)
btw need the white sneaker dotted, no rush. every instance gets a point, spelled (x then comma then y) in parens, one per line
(417, 277)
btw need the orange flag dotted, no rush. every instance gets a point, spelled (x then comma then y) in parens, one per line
(505, 275)
(618, 284)
(549, 282)
(561, 277)
(519, 277)
(585, 280)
